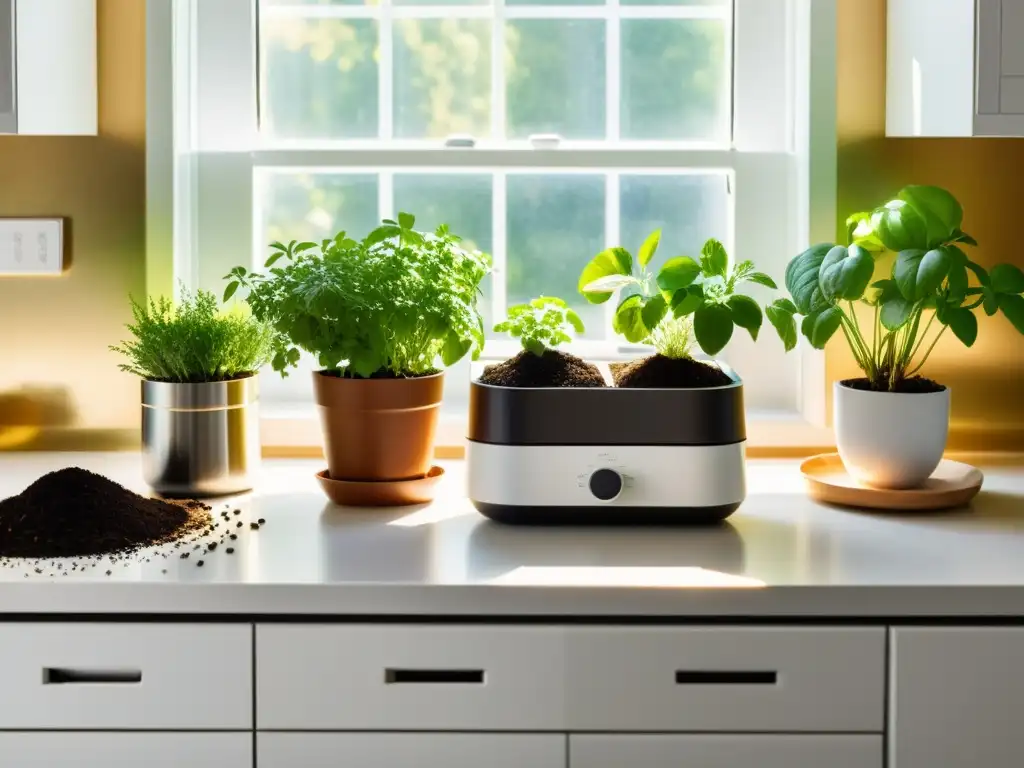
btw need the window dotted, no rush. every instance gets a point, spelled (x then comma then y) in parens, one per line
(589, 124)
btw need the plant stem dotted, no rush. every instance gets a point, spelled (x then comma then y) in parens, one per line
(924, 359)
(920, 341)
(856, 341)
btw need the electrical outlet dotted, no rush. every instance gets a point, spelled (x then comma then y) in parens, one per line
(31, 246)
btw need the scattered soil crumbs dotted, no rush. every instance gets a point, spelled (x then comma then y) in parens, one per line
(665, 372)
(73, 520)
(552, 369)
(917, 385)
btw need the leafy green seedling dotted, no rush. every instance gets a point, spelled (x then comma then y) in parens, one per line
(542, 324)
(931, 274)
(683, 287)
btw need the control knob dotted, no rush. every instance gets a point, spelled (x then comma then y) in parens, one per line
(606, 484)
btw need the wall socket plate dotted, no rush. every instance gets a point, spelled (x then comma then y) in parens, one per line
(31, 246)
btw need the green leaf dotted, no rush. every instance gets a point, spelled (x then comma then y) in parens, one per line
(746, 313)
(920, 273)
(628, 320)
(230, 291)
(454, 349)
(406, 220)
(979, 272)
(610, 283)
(534, 347)
(957, 281)
(761, 279)
(962, 237)
(990, 300)
(543, 302)
(781, 315)
(963, 323)
(304, 246)
(613, 261)
(273, 259)
(712, 325)
(654, 310)
(382, 233)
(860, 231)
(677, 273)
(649, 248)
(899, 227)
(802, 279)
(1013, 309)
(714, 260)
(819, 326)
(575, 321)
(845, 273)
(895, 312)
(1006, 278)
(941, 212)
(686, 301)
(279, 245)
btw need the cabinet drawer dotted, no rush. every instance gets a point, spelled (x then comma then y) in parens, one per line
(725, 679)
(726, 751)
(126, 750)
(410, 750)
(125, 676)
(409, 678)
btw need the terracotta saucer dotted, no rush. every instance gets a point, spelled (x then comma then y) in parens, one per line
(951, 485)
(381, 493)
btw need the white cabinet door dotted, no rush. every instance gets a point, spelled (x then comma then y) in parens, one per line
(409, 678)
(412, 750)
(126, 750)
(727, 679)
(725, 751)
(957, 697)
(69, 676)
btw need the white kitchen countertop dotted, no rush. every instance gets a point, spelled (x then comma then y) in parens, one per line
(780, 555)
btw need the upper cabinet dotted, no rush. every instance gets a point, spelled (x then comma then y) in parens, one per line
(955, 68)
(48, 67)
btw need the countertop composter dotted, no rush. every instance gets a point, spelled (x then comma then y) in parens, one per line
(603, 456)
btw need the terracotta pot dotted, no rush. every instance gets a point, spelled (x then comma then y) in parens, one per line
(890, 439)
(378, 429)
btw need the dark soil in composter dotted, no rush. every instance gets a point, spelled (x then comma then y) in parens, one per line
(916, 385)
(552, 369)
(77, 514)
(658, 371)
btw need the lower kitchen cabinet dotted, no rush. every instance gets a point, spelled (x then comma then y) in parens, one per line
(957, 694)
(725, 751)
(411, 750)
(126, 750)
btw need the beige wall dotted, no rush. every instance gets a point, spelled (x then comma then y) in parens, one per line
(985, 174)
(54, 332)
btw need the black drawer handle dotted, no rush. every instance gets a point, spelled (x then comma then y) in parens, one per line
(703, 677)
(56, 676)
(459, 676)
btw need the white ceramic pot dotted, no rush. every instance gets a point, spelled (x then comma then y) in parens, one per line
(889, 439)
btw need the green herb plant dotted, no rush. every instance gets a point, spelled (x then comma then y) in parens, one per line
(686, 301)
(542, 324)
(193, 342)
(928, 291)
(394, 304)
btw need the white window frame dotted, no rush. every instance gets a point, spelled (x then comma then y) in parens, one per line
(203, 145)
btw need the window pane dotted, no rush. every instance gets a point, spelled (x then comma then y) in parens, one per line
(555, 78)
(312, 206)
(462, 201)
(555, 226)
(674, 79)
(687, 209)
(442, 78)
(319, 78)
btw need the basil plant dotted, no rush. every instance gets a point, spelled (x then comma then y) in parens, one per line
(707, 293)
(933, 286)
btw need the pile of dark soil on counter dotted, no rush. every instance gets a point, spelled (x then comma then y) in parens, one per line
(658, 371)
(552, 369)
(917, 385)
(74, 512)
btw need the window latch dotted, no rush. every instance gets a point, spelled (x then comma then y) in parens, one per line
(460, 141)
(545, 140)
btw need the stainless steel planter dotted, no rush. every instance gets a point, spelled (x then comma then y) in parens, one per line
(200, 439)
